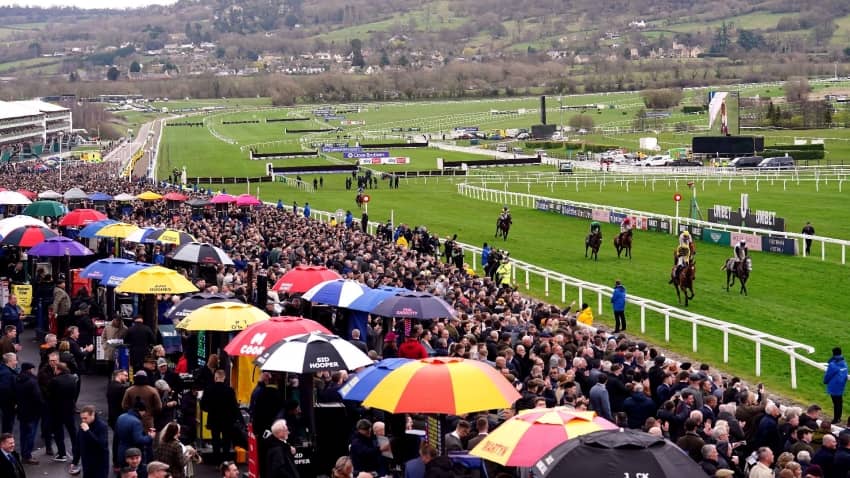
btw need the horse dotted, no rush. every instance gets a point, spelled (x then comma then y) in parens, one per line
(503, 226)
(684, 281)
(623, 242)
(359, 200)
(742, 273)
(592, 242)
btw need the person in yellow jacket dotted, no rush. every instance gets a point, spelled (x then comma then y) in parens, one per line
(585, 315)
(503, 273)
(401, 241)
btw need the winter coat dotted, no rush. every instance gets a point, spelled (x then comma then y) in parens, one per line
(638, 408)
(835, 377)
(28, 396)
(130, 433)
(618, 299)
(94, 449)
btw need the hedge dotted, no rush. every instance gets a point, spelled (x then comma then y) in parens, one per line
(693, 109)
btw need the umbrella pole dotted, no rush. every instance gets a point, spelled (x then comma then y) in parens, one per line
(307, 400)
(149, 311)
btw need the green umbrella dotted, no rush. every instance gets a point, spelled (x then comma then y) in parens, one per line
(45, 209)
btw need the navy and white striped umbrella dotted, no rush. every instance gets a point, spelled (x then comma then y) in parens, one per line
(311, 353)
(336, 292)
(201, 253)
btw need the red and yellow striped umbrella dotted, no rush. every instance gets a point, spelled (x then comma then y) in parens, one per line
(452, 386)
(528, 436)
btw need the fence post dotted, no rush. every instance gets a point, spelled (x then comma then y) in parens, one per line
(758, 356)
(563, 292)
(666, 325)
(791, 354)
(823, 250)
(725, 345)
(694, 335)
(546, 284)
(643, 318)
(599, 302)
(580, 295)
(527, 282)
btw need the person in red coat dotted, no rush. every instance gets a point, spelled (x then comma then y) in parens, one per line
(411, 347)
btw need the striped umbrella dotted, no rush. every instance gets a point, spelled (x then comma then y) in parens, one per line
(337, 292)
(90, 230)
(201, 253)
(170, 236)
(256, 338)
(361, 384)
(310, 353)
(28, 236)
(303, 278)
(11, 223)
(141, 236)
(119, 230)
(13, 198)
(111, 272)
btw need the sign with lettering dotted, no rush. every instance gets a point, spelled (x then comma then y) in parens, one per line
(765, 220)
(601, 215)
(658, 225)
(724, 215)
(341, 149)
(753, 241)
(779, 245)
(365, 154)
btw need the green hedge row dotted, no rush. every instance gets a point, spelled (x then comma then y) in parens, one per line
(796, 147)
(693, 109)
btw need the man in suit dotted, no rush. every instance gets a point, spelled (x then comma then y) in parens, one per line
(10, 460)
(454, 440)
(415, 468)
(482, 425)
(280, 458)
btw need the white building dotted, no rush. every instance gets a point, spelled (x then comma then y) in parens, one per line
(32, 125)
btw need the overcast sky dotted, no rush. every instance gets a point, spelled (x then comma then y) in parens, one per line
(87, 3)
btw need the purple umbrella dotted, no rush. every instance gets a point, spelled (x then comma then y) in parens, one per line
(59, 246)
(414, 305)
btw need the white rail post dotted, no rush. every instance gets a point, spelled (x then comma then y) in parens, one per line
(843, 254)
(563, 292)
(599, 302)
(643, 318)
(580, 295)
(793, 357)
(725, 345)
(474, 261)
(527, 281)
(823, 250)
(758, 356)
(694, 335)
(666, 325)
(546, 284)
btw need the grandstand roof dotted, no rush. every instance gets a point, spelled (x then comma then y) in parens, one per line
(22, 109)
(43, 106)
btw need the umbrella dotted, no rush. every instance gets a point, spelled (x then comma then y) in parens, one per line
(360, 384)
(526, 437)
(98, 196)
(170, 236)
(11, 223)
(414, 305)
(90, 230)
(222, 199)
(258, 337)
(118, 230)
(310, 353)
(124, 197)
(28, 194)
(194, 302)
(156, 280)
(453, 386)
(141, 236)
(81, 217)
(247, 200)
(49, 194)
(172, 196)
(13, 198)
(303, 278)
(372, 297)
(111, 272)
(75, 193)
(337, 292)
(149, 196)
(197, 202)
(60, 246)
(201, 253)
(222, 317)
(45, 209)
(617, 453)
(27, 236)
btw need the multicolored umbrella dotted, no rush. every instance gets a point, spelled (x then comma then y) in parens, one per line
(303, 278)
(45, 209)
(222, 317)
(13, 198)
(118, 230)
(142, 235)
(156, 280)
(372, 297)
(246, 200)
(414, 305)
(29, 194)
(90, 231)
(81, 217)
(359, 385)
(149, 196)
(201, 253)
(222, 199)
(170, 236)
(27, 236)
(337, 292)
(255, 339)
(452, 386)
(311, 353)
(111, 272)
(9, 224)
(526, 437)
(60, 246)
(194, 302)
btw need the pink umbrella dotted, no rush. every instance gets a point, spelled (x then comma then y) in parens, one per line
(247, 200)
(222, 199)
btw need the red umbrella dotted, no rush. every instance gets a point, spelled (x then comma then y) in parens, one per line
(222, 199)
(29, 194)
(303, 278)
(28, 236)
(256, 338)
(175, 197)
(81, 217)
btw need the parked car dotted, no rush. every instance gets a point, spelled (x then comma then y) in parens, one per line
(658, 160)
(565, 167)
(523, 136)
(684, 163)
(779, 162)
(743, 162)
(502, 148)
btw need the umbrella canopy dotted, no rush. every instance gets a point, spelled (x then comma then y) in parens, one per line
(90, 230)
(124, 197)
(75, 194)
(111, 272)
(255, 339)
(99, 196)
(414, 305)
(617, 453)
(222, 199)
(244, 200)
(452, 386)
(172, 196)
(303, 278)
(372, 297)
(170, 236)
(60, 246)
(118, 230)
(310, 353)
(222, 317)
(197, 202)
(49, 194)
(13, 198)
(156, 280)
(149, 196)
(337, 292)
(45, 209)
(194, 302)
(141, 236)
(11, 223)
(526, 437)
(201, 253)
(81, 217)
(361, 384)
(28, 194)
(27, 236)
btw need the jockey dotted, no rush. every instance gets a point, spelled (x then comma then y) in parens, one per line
(685, 238)
(505, 214)
(741, 253)
(626, 227)
(595, 228)
(683, 258)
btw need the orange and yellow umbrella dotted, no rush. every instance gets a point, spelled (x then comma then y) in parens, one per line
(452, 386)
(528, 436)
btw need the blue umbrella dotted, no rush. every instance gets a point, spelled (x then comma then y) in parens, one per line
(361, 383)
(98, 196)
(90, 230)
(336, 292)
(372, 297)
(59, 246)
(110, 272)
(414, 305)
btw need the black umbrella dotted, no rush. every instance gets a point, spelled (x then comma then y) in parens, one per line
(195, 302)
(201, 253)
(617, 453)
(414, 305)
(311, 353)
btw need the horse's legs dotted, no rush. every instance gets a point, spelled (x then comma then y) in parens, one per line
(743, 286)
(678, 297)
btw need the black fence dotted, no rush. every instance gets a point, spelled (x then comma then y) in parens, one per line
(317, 169)
(433, 172)
(241, 122)
(289, 155)
(228, 180)
(525, 160)
(394, 145)
(280, 120)
(318, 130)
(184, 124)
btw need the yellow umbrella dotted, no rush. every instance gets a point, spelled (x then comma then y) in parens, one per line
(222, 317)
(149, 196)
(156, 280)
(118, 230)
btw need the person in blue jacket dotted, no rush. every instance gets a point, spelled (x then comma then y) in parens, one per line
(835, 379)
(618, 303)
(485, 255)
(307, 210)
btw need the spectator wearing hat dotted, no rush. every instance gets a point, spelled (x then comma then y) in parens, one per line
(804, 441)
(390, 347)
(132, 463)
(30, 403)
(164, 372)
(142, 392)
(157, 469)
(835, 379)
(169, 404)
(130, 434)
